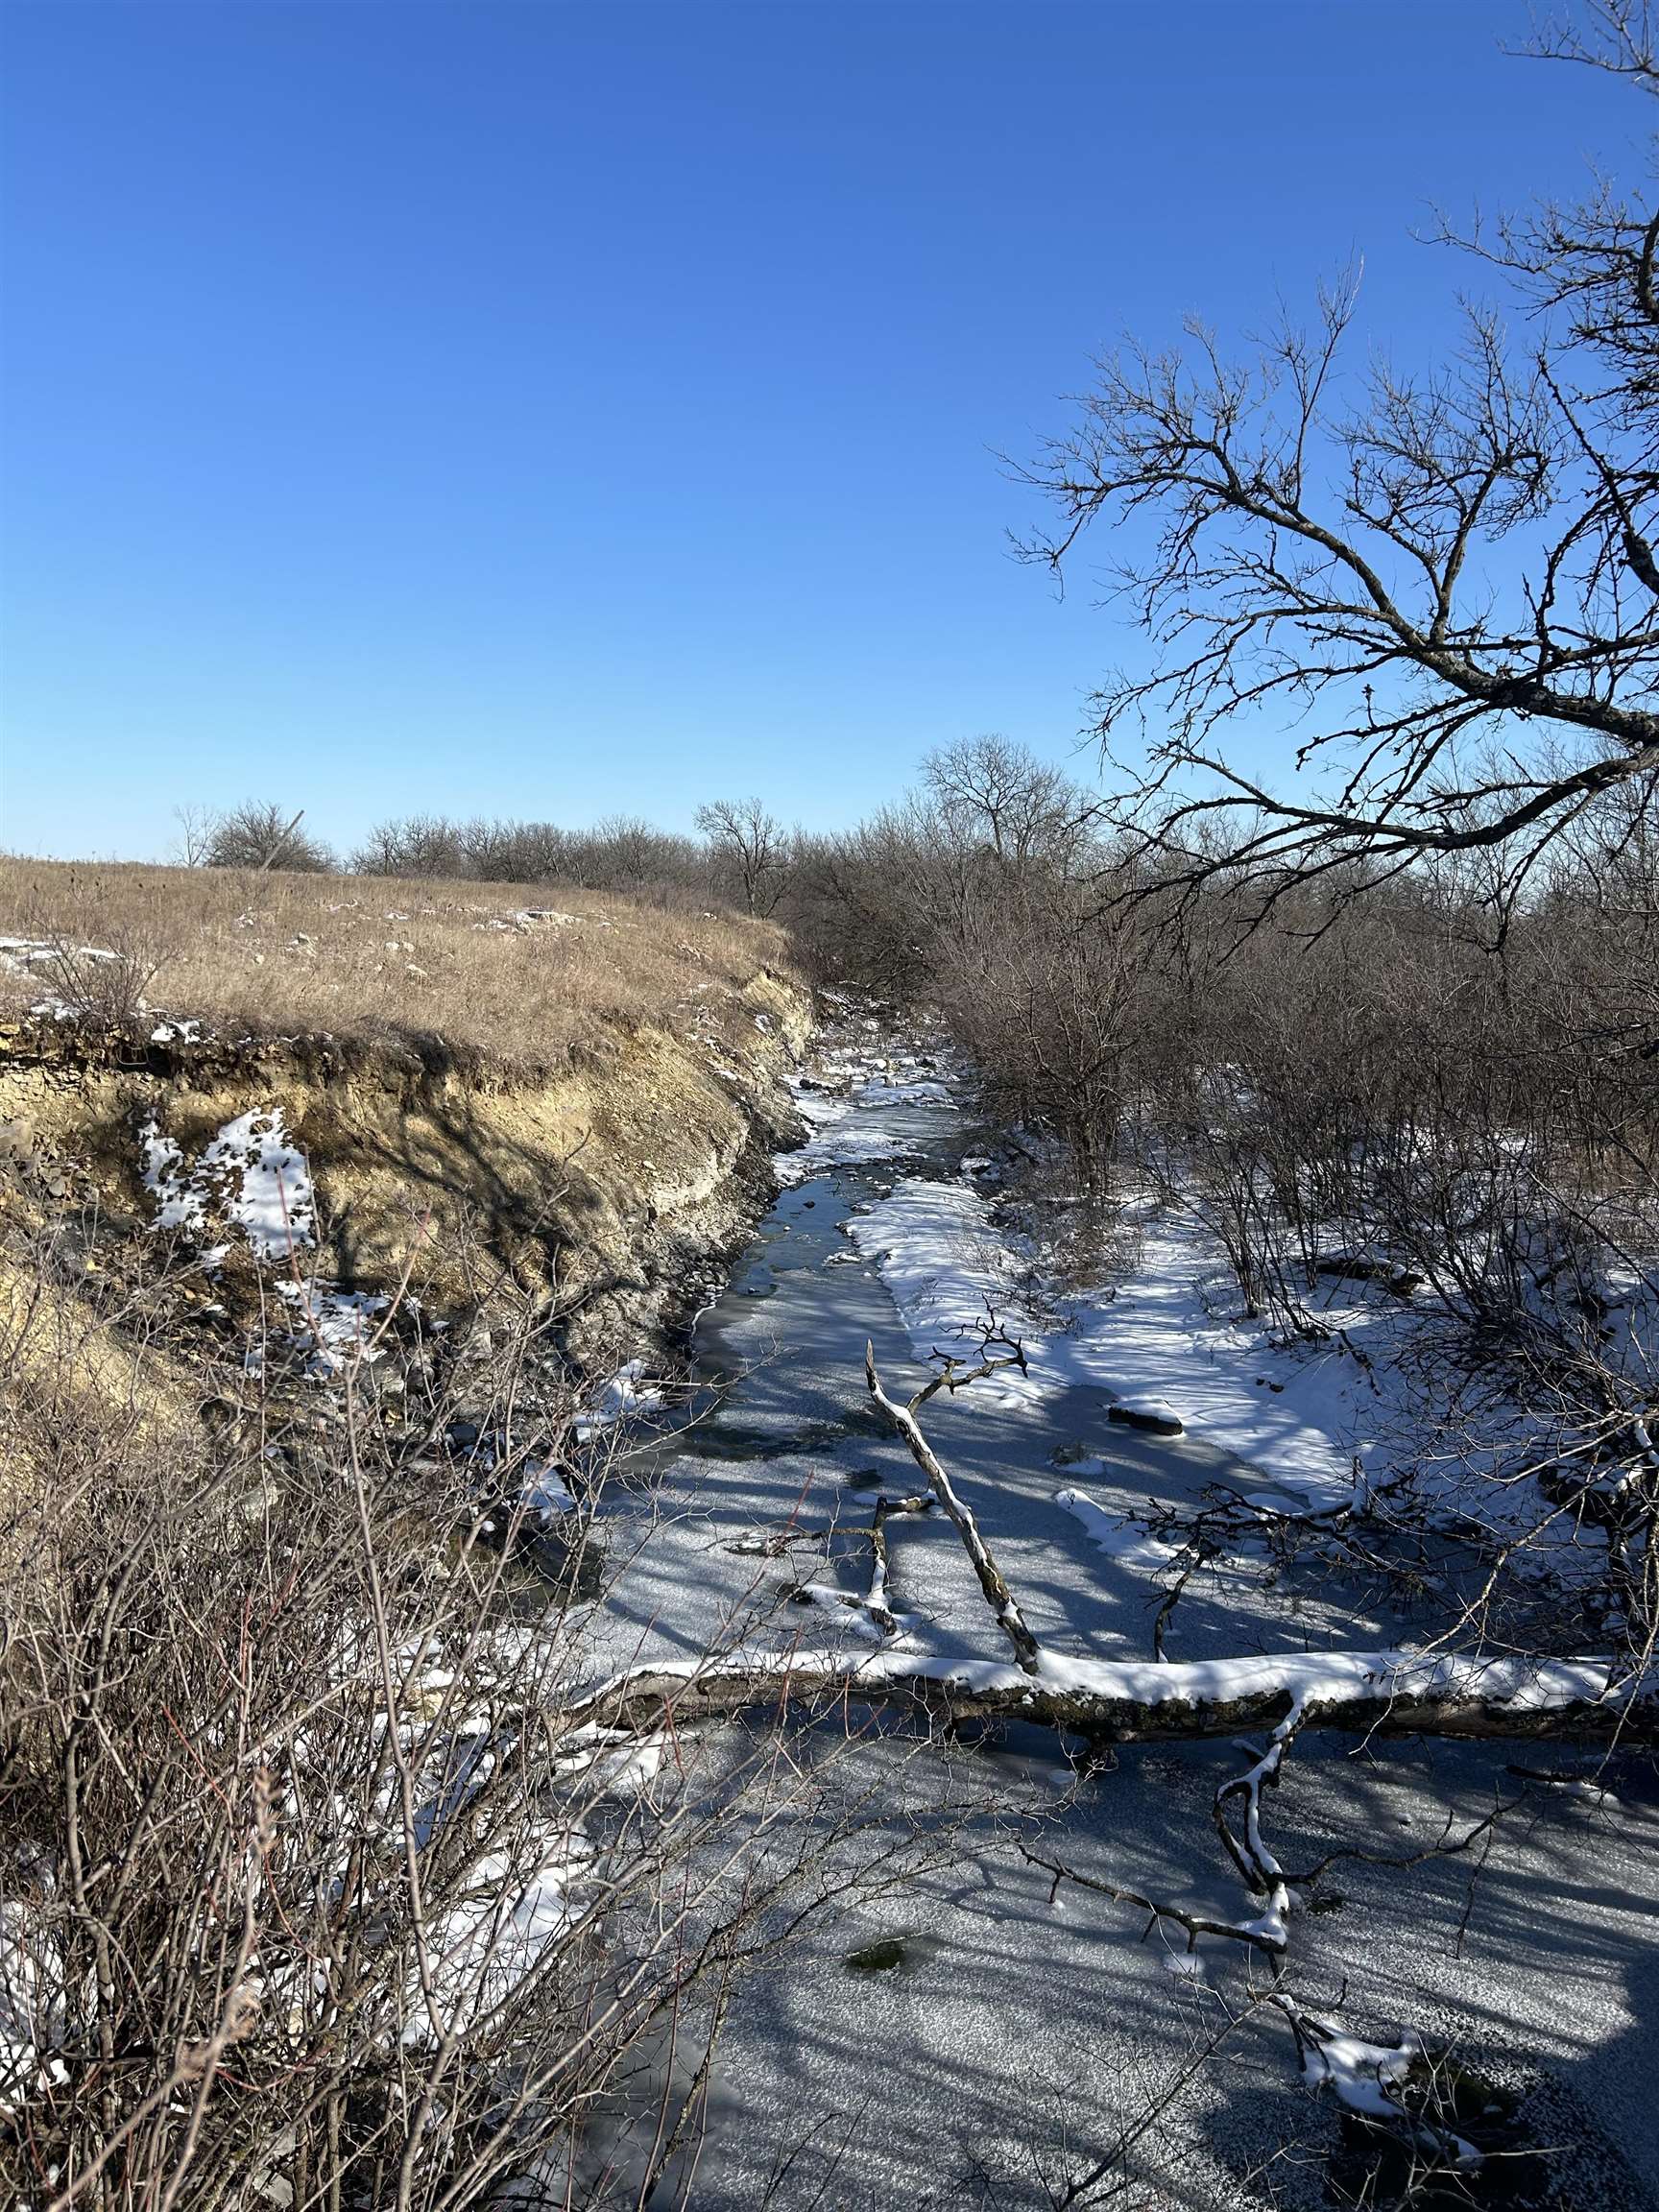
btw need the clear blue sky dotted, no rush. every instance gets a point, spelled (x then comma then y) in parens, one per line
(538, 408)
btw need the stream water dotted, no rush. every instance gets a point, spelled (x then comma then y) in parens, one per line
(950, 2030)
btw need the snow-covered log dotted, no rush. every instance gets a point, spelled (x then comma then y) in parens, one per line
(1124, 1702)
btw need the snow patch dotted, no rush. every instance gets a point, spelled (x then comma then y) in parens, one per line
(626, 1392)
(336, 1322)
(249, 1174)
(1149, 1340)
(483, 1948)
(1119, 1536)
(546, 1492)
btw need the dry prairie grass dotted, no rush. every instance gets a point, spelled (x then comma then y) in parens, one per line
(353, 956)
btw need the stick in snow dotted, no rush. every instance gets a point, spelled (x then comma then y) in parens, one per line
(997, 1595)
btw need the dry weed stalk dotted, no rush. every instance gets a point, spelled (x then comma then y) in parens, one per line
(310, 1895)
(501, 969)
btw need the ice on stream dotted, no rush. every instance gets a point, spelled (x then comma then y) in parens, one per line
(1308, 1419)
(1010, 2016)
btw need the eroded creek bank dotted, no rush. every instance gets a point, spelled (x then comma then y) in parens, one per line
(295, 1188)
(954, 2025)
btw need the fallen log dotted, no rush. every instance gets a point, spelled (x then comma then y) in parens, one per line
(1132, 1701)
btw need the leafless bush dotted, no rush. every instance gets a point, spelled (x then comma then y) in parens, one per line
(621, 853)
(982, 895)
(265, 834)
(307, 1893)
(105, 983)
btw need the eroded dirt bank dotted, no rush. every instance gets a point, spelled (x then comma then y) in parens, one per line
(608, 1193)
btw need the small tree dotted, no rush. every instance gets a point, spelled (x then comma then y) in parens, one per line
(265, 834)
(992, 792)
(748, 846)
(193, 836)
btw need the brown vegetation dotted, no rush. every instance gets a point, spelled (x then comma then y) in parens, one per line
(313, 1897)
(496, 1098)
(499, 969)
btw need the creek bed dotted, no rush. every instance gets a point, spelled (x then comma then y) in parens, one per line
(960, 2029)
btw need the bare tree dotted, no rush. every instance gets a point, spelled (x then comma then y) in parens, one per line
(421, 844)
(991, 790)
(1319, 546)
(194, 834)
(749, 845)
(625, 852)
(265, 834)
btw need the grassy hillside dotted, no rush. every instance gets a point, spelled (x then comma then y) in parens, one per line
(515, 971)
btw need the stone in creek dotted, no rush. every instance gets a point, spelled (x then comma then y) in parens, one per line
(1074, 1453)
(877, 1958)
(1148, 1413)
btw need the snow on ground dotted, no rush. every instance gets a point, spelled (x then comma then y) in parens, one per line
(337, 1325)
(22, 955)
(1299, 1416)
(626, 1392)
(178, 1203)
(251, 1177)
(992, 1960)
(32, 2016)
(1119, 1535)
(271, 1196)
(995, 1965)
(1366, 2077)
(249, 1174)
(481, 1949)
(544, 1491)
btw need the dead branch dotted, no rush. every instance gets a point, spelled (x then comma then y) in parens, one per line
(997, 1595)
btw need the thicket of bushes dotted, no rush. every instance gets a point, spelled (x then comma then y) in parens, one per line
(742, 854)
(1373, 1051)
(1416, 1082)
(324, 1887)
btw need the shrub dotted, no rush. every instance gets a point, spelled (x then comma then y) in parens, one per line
(265, 834)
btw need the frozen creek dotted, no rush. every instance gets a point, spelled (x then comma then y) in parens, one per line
(969, 2033)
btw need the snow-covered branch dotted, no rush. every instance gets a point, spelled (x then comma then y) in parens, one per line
(1398, 1692)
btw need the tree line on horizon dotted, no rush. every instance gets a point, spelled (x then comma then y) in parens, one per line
(741, 854)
